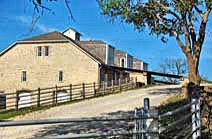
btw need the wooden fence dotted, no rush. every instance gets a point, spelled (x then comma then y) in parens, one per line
(146, 123)
(62, 94)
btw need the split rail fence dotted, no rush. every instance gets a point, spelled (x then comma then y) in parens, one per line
(61, 94)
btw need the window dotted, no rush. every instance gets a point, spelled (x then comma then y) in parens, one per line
(23, 77)
(39, 51)
(122, 62)
(46, 50)
(60, 76)
(77, 37)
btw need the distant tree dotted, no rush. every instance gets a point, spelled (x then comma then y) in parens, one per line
(177, 66)
(185, 20)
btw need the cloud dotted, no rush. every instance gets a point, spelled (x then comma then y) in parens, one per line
(27, 20)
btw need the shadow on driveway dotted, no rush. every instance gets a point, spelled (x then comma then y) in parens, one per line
(91, 127)
(164, 91)
(99, 126)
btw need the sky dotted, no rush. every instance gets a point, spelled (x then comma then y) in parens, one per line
(16, 22)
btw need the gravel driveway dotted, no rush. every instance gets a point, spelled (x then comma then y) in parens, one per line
(116, 105)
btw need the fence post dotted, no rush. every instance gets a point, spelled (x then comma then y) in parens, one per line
(70, 92)
(94, 88)
(135, 124)
(138, 124)
(38, 101)
(53, 100)
(56, 94)
(17, 99)
(127, 83)
(103, 85)
(112, 86)
(136, 82)
(83, 90)
(196, 119)
(106, 86)
(120, 84)
(145, 115)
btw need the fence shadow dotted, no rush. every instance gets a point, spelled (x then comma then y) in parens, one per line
(91, 127)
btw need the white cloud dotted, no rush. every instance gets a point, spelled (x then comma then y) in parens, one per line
(27, 20)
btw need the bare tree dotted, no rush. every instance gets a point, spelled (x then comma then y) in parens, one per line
(39, 8)
(176, 66)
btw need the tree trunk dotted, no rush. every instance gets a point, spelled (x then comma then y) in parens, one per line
(193, 76)
(193, 72)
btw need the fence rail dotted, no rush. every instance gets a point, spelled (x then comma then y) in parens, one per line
(147, 123)
(61, 94)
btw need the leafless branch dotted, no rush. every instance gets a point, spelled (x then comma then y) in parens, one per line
(39, 9)
(69, 9)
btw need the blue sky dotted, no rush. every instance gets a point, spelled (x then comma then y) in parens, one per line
(15, 23)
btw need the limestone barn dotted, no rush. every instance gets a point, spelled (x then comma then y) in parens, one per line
(106, 53)
(141, 77)
(58, 59)
(139, 64)
(123, 59)
(46, 60)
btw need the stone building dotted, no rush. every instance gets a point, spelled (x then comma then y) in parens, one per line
(106, 53)
(123, 59)
(47, 60)
(139, 64)
(58, 59)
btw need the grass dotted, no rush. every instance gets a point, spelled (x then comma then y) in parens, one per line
(173, 102)
(13, 113)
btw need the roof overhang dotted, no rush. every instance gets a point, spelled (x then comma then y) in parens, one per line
(144, 71)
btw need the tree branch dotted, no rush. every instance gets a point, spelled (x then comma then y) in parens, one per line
(198, 10)
(168, 10)
(202, 32)
(186, 29)
(69, 9)
(182, 46)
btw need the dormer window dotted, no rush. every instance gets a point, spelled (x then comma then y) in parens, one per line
(39, 51)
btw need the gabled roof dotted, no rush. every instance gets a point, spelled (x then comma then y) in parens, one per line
(92, 42)
(50, 38)
(70, 28)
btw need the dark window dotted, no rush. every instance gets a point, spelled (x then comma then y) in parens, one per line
(60, 75)
(39, 51)
(122, 62)
(77, 37)
(46, 50)
(23, 77)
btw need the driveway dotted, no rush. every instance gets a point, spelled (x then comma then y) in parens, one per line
(121, 104)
